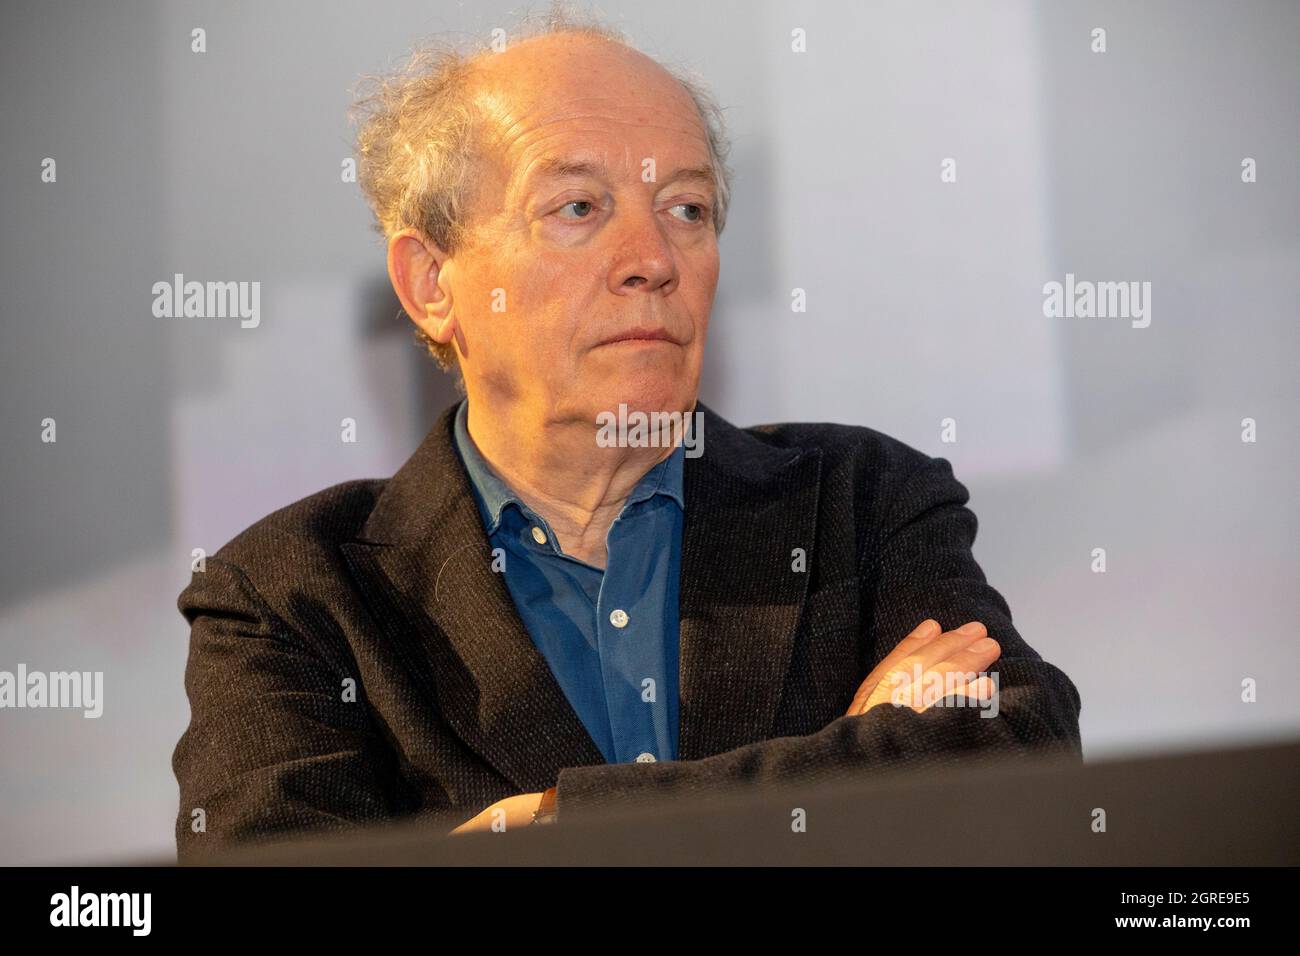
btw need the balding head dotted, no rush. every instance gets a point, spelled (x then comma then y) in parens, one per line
(439, 138)
(569, 86)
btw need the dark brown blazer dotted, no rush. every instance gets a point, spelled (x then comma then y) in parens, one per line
(386, 586)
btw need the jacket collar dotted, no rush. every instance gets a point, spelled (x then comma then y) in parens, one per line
(492, 494)
(424, 563)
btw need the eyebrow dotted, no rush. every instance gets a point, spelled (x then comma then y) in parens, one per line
(559, 168)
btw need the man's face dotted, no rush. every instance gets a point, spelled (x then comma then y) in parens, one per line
(606, 280)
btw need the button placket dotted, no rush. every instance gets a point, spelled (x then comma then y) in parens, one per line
(638, 727)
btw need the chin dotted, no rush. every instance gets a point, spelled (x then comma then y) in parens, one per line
(647, 387)
(643, 395)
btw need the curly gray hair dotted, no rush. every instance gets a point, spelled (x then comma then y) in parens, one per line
(419, 139)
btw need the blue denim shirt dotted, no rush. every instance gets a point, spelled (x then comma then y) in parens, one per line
(611, 636)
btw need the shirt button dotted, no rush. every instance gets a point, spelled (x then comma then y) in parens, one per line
(618, 617)
(645, 758)
(539, 535)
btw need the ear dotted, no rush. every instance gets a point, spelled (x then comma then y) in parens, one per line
(416, 268)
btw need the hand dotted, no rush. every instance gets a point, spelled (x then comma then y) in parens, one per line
(513, 812)
(960, 652)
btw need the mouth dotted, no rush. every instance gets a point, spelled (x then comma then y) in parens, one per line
(641, 335)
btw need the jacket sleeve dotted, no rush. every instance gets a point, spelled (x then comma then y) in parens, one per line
(272, 745)
(919, 564)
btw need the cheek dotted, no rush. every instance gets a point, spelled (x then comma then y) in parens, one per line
(557, 296)
(705, 269)
(701, 307)
(519, 314)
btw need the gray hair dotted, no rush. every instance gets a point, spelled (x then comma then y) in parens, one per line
(420, 135)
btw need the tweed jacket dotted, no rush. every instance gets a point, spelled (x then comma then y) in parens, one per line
(354, 658)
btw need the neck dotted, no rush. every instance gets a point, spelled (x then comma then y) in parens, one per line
(555, 465)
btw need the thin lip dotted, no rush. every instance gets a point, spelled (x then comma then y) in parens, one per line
(641, 335)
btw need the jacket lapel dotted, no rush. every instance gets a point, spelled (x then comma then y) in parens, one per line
(426, 565)
(749, 505)
(425, 568)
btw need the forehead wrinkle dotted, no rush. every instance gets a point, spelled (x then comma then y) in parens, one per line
(520, 128)
(535, 141)
(502, 106)
(523, 129)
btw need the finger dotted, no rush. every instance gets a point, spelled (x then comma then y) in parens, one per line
(945, 646)
(971, 659)
(975, 657)
(926, 631)
(934, 686)
(924, 655)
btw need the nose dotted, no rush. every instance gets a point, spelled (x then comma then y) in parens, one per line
(645, 260)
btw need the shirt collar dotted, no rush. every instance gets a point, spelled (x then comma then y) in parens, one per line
(493, 494)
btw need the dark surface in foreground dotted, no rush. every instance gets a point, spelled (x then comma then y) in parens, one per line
(1212, 808)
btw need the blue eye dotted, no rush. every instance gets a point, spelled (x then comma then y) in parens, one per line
(699, 210)
(576, 202)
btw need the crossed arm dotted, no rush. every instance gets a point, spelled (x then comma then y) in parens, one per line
(924, 564)
(248, 673)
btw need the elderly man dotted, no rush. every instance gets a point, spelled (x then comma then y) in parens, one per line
(529, 618)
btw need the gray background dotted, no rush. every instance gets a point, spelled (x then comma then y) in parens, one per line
(924, 303)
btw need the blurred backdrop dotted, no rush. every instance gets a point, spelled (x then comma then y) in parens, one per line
(924, 303)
